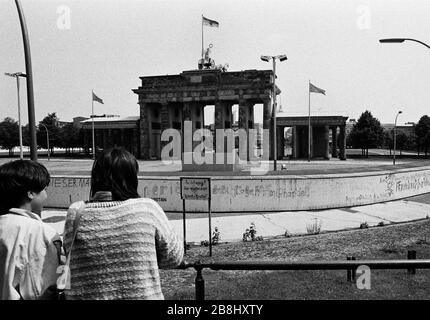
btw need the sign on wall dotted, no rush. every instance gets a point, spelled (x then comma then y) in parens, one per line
(195, 188)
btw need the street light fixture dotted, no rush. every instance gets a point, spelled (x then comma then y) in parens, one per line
(17, 75)
(47, 138)
(281, 58)
(401, 40)
(395, 123)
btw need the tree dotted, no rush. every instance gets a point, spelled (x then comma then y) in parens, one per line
(71, 137)
(9, 134)
(422, 131)
(51, 123)
(367, 133)
(388, 140)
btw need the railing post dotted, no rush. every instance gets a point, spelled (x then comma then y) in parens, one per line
(412, 255)
(348, 272)
(200, 283)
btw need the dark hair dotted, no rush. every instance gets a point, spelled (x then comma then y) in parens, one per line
(17, 178)
(115, 170)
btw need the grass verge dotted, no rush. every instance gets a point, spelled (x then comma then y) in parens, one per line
(388, 242)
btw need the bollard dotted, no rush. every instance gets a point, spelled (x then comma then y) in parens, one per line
(412, 255)
(200, 284)
(348, 272)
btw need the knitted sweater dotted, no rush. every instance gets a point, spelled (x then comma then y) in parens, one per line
(118, 249)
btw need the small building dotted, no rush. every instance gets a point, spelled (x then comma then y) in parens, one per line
(320, 127)
(112, 132)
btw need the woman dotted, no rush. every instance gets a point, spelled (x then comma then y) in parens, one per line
(121, 239)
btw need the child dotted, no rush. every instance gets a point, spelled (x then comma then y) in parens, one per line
(28, 247)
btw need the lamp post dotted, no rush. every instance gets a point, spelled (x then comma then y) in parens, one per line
(281, 58)
(29, 74)
(401, 40)
(17, 75)
(47, 138)
(395, 123)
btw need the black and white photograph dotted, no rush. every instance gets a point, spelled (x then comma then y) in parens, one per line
(214, 154)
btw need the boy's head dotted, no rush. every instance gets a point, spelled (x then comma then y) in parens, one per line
(22, 184)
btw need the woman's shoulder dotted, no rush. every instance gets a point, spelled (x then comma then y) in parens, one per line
(147, 203)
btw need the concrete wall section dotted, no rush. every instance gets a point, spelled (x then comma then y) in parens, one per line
(258, 194)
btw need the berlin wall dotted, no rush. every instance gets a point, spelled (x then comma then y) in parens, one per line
(258, 194)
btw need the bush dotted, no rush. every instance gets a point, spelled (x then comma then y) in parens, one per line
(314, 228)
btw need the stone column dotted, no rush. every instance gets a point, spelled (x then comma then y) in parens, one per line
(135, 142)
(122, 140)
(280, 142)
(327, 142)
(145, 125)
(165, 121)
(267, 125)
(244, 151)
(342, 141)
(186, 136)
(334, 141)
(295, 143)
(311, 141)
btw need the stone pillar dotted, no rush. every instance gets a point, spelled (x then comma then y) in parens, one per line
(122, 140)
(311, 141)
(326, 142)
(165, 121)
(342, 143)
(334, 141)
(280, 142)
(267, 125)
(135, 145)
(145, 125)
(295, 143)
(186, 116)
(244, 125)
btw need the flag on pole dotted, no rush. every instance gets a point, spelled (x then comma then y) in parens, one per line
(315, 89)
(95, 98)
(210, 23)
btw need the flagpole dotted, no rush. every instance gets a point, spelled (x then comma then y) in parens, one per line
(202, 37)
(309, 123)
(92, 117)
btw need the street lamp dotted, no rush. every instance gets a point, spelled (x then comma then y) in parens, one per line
(30, 92)
(395, 123)
(281, 58)
(401, 40)
(17, 75)
(47, 138)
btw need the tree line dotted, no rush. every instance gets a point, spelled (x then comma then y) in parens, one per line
(67, 136)
(368, 133)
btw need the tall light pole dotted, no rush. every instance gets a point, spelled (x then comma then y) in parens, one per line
(400, 40)
(17, 75)
(281, 58)
(395, 123)
(29, 73)
(47, 138)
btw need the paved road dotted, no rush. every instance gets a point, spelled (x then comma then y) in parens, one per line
(293, 167)
(294, 222)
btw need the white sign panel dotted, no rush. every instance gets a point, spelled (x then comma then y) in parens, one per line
(195, 188)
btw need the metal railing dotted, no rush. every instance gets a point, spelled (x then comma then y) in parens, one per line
(350, 265)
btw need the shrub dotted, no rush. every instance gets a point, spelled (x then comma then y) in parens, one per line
(315, 227)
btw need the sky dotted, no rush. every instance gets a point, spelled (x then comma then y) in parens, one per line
(106, 45)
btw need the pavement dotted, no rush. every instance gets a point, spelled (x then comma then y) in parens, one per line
(272, 225)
